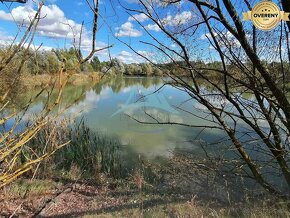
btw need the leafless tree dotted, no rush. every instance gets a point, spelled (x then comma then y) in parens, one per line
(13, 143)
(252, 62)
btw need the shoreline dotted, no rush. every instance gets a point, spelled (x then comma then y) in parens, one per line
(42, 80)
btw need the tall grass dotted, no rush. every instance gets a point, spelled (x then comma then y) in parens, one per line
(89, 153)
(92, 152)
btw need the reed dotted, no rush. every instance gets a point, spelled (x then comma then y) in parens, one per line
(89, 153)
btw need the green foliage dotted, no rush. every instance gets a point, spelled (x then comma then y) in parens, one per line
(96, 64)
(45, 62)
(147, 69)
(130, 69)
(49, 62)
(87, 67)
(90, 152)
(157, 72)
(54, 64)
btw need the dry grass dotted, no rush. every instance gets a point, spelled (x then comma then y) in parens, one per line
(29, 187)
(80, 79)
(32, 81)
(107, 200)
(196, 209)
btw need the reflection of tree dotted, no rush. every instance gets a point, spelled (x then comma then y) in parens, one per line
(157, 81)
(147, 82)
(117, 84)
(132, 81)
(98, 88)
(73, 94)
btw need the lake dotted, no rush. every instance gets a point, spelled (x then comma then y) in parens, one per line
(119, 107)
(113, 106)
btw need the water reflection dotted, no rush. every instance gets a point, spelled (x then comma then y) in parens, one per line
(102, 107)
(106, 108)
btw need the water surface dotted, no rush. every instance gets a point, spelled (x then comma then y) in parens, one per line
(113, 106)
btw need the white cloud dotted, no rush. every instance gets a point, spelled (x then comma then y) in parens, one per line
(90, 102)
(125, 54)
(128, 57)
(4, 39)
(40, 48)
(7, 40)
(138, 17)
(169, 20)
(127, 29)
(86, 45)
(180, 19)
(226, 39)
(145, 53)
(154, 27)
(149, 4)
(34, 47)
(53, 24)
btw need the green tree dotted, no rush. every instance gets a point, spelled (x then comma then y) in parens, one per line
(96, 64)
(157, 72)
(54, 64)
(147, 69)
(87, 67)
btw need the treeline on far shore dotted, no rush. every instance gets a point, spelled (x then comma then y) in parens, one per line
(50, 62)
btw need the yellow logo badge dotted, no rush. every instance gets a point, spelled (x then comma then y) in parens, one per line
(266, 15)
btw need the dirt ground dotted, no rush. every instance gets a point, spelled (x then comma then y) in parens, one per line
(80, 199)
(133, 197)
(57, 200)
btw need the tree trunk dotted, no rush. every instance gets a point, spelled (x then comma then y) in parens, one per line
(286, 8)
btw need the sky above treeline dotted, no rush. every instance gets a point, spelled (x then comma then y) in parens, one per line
(61, 22)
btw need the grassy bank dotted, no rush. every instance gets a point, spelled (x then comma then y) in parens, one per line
(34, 81)
(122, 198)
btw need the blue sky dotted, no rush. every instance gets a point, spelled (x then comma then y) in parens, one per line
(54, 31)
(62, 22)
